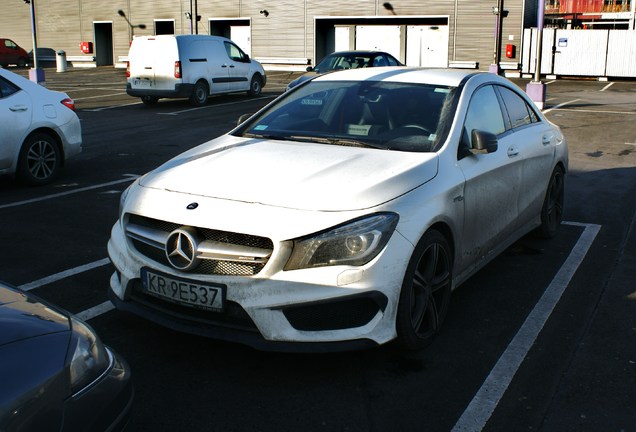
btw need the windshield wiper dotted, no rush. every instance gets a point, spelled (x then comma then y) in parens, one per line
(334, 141)
(266, 136)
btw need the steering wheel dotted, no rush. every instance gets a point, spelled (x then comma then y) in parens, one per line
(416, 126)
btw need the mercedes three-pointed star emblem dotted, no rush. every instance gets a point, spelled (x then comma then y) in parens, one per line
(181, 249)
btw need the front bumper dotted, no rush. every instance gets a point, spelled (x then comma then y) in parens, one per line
(321, 309)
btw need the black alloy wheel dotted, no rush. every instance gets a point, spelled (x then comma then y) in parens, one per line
(426, 291)
(552, 210)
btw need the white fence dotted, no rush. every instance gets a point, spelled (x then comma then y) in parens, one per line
(595, 53)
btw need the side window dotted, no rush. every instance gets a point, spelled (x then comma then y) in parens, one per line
(234, 52)
(6, 88)
(484, 113)
(391, 61)
(518, 110)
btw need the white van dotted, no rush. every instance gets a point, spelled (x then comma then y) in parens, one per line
(190, 66)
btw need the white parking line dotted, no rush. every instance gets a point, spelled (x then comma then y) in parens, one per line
(112, 106)
(560, 105)
(98, 310)
(485, 401)
(130, 177)
(100, 96)
(64, 274)
(174, 113)
(607, 86)
(595, 111)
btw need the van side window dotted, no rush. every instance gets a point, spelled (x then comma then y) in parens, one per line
(235, 52)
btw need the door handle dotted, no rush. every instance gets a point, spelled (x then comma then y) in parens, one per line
(512, 152)
(223, 65)
(16, 108)
(546, 140)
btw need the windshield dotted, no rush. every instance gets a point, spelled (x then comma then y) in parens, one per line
(378, 114)
(351, 61)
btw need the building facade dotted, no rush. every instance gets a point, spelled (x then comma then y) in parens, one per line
(418, 32)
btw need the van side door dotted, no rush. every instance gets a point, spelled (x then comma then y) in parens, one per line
(238, 67)
(205, 63)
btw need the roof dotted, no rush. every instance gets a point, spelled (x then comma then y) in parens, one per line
(447, 77)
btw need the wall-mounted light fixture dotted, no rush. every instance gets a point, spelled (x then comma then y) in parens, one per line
(264, 12)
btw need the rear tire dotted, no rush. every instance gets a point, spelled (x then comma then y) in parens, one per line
(149, 100)
(256, 86)
(426, 291)
(552, 210)
(200, 93)
(40, 159)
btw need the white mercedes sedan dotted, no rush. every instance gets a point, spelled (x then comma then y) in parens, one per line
(343, 214)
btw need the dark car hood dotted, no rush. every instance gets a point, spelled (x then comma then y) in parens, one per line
(24, 316)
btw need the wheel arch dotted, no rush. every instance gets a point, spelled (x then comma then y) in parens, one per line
(48, 131)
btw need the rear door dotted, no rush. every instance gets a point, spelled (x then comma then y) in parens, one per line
(152, 63)
(535, 141)
(16, 109)
(205, 60)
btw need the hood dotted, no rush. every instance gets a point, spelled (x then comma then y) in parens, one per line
(22, 316)
(296, 175)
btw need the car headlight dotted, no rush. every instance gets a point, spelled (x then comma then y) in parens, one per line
(89, 358)
(355, 243)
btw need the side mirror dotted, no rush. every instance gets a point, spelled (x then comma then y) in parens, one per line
(484, 142)
(242, 118)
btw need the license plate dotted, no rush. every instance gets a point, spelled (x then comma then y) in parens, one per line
(182, 291)
(142, 82)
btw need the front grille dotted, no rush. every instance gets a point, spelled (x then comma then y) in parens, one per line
(154, 249)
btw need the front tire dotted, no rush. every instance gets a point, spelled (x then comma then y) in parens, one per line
(426, 291)
(40, 159)
(256, 86)
(552, 210)
(200, 93)
(22, 62)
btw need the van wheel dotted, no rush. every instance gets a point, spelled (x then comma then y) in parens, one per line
(40, 159)
(256, 86)
(149, 100)
(199, 96)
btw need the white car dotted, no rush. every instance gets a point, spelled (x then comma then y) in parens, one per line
(39, 129)
(341, 215)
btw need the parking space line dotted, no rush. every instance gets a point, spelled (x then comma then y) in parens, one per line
(129, 178)
(111, 107)
(607, 86)
(63, 274)
(98, 310)
(99, 96)
(487, 398)
(560, 105)
(174, 113)
(596, 111)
